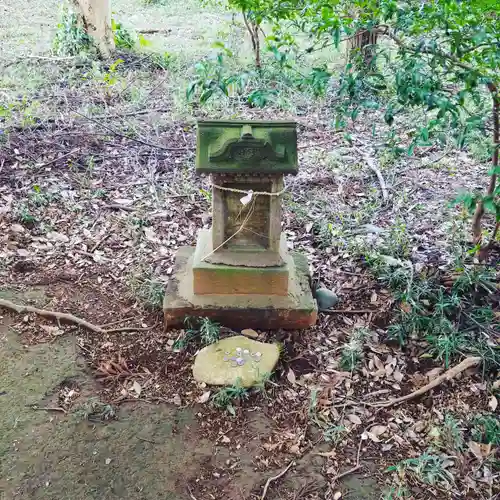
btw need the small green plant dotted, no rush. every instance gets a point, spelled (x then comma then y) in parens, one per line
(110, 77)
(25, 216)
(396, 491)
(206, 194)
(227, 397)
(147, 289)
(262, 383)
(161, 61)
(38, 198)
(70, 38)
(262, 97)
(94, 410)
(22, 109)
(486, 429)
(451, 435)
(99, 193)
(427, 469)
(352, 352)
(334, 434)
(126, 39)
(447, 344)
(203, 329)
(212, 80)
(123, 37)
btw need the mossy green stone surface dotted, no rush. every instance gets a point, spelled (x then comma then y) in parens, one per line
(213, 364)
(236, 146)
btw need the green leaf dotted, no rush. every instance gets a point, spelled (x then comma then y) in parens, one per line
(190, 90)
(206, 95)
(489, 204)
(113, 66)
(144, 42)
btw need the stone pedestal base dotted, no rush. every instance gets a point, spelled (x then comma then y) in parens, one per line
(232, 278)
(295, 310)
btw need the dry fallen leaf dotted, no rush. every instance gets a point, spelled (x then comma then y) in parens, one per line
(493, 403)
(378, 430)
(204, 397)
(137, 388)
(327, 454)
(398, 376)
(53, 330)
(270, 446)
(354, 419)
(479, 450)
(378, 363)
(291, 377)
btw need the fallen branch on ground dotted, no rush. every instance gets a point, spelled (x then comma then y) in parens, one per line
(274, 478)
(448, 375)
(153, 32)
(346, 311)
(69, 318)
(371, 163)
(46, 408)
(356, 467)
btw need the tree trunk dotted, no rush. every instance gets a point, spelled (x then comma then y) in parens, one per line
(479, 212)
(362, 44)
(96, 16)
(253, 28)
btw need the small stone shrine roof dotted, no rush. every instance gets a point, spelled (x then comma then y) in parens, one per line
(246, 147)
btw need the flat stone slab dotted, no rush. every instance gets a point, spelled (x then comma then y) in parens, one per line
(295, 311)
(235, 360)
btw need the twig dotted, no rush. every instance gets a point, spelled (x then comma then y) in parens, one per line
(346, 311)
(132, 113)
(191, 493)
(47, 408)
(383, 185)
(448, 375)
(70, 318)
(134, 139)
(146, 440)
(57, 159)
(274, 478)
(45, 58)
(117, 322)
(132, 329)
(100, 242)
(356, 467)
(117, 206)
(152, 32)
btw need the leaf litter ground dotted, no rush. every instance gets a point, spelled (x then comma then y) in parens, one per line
(95, 206)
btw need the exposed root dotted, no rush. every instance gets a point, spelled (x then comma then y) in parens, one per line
(274, 478)
(66, 317)
(448, 375)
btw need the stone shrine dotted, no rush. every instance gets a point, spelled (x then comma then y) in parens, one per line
(241, 273)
